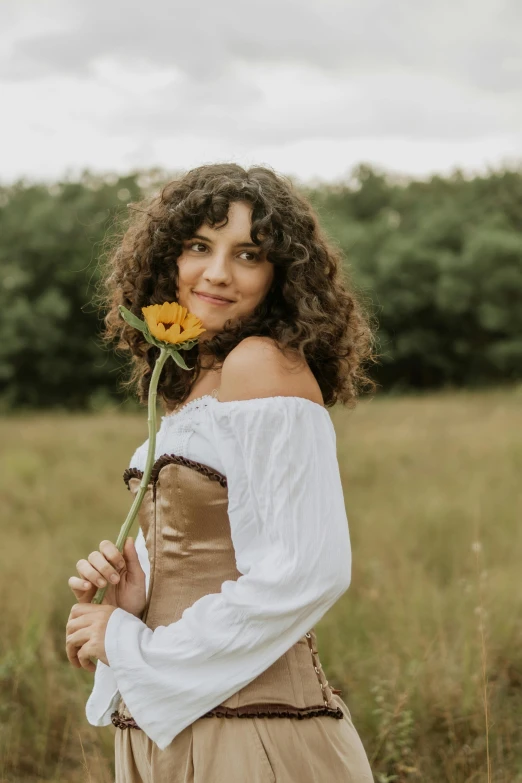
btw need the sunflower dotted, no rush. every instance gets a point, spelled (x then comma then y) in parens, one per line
(172, 323)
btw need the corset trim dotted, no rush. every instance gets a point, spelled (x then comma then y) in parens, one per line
(273, 711)
(249, 711)
(129, 473)
(206, 470)
(168, 459)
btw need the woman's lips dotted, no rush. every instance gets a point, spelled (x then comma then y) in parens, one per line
(212, 300)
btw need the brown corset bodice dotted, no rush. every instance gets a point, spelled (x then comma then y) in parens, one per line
(184, 519)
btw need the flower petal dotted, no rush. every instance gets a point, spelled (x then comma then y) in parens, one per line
(173, 333)
(151, 313)
(176, 313)
(157, 330)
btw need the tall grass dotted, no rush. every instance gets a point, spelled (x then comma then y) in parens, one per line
(426, 645)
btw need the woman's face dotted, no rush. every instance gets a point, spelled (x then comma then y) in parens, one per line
(223, 261)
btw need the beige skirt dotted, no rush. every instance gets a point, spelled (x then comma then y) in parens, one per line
(248, 750)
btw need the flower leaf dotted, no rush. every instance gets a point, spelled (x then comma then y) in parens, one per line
(132, 319)
(179, 360)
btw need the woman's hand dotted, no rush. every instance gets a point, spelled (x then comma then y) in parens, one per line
(85, 637)
(122, 572)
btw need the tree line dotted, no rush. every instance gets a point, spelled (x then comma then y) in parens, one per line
(438, 262)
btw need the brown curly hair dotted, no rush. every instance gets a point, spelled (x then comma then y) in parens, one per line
(310, 309)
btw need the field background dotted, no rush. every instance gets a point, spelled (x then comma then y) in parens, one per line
(426, 644)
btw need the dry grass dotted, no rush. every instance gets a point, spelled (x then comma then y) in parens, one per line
(428, 634)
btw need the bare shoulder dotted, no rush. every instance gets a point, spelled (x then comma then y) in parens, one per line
(257, 367)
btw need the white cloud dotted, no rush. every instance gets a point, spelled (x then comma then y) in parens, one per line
(412, 86)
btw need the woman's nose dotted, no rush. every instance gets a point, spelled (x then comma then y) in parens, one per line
(218, 268)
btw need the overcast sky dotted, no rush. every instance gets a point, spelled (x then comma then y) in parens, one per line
(310, 87)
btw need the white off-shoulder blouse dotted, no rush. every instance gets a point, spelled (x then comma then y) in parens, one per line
(290, 535)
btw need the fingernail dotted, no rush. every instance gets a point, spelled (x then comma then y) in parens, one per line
(101, 582)
(115, 578)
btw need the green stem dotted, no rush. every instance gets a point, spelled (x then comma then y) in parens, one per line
(131, 516)
(127, 525)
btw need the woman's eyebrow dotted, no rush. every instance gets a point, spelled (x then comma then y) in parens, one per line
(238, 244)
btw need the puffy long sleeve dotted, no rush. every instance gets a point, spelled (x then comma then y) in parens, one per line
(290, 535)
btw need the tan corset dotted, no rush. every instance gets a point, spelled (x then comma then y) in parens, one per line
(185, 523)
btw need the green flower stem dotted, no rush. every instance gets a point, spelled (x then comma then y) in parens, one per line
(127, 525)
(131, 516)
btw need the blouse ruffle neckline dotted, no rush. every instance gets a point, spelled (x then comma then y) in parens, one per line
(189, 405)
(250, 400)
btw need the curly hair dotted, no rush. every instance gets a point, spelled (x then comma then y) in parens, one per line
(311, 308)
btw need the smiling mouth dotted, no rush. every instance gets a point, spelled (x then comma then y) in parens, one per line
(211, 298)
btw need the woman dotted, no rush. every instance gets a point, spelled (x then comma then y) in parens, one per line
(243, 542)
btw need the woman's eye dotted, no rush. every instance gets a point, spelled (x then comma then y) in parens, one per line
(253, 256)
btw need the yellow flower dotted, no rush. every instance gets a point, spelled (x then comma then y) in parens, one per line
(172, 323)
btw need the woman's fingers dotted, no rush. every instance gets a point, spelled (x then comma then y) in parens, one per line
(135, 571)
(89, 573)
(105, 569)
(73, 642)
(120, 574)
(107, 564)
(78, 636)
(76, 583)
(84, 658)
(77, 652)
(102, 566)
(113, 555)
(83, 591)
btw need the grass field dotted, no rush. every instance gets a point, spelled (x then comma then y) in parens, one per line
(426, 644)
